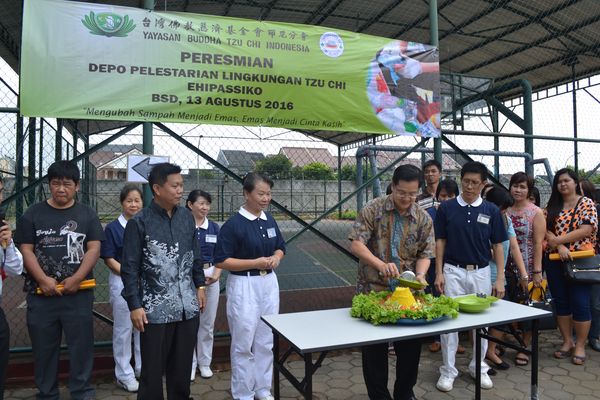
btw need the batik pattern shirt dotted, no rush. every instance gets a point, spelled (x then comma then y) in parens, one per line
(567, 221)
(375, 227)
(162, 265)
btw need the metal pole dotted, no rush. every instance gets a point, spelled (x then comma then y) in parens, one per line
(58, 140)
(575, 144)
(339, 180)
(31, 159)
(495, 128)
(434, 39)
(147, 146)
(19, 167)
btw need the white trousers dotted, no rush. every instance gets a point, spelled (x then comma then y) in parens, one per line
(204, 345)
(459, 281)
(248, 298)
(122, 333)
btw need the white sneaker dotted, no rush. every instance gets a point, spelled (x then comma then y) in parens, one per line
(486, 381)
(267, 397)
(193, 376)
(445, 383)
(130, 386)
(205, 372)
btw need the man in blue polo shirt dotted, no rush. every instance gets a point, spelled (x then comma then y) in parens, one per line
(465, 229)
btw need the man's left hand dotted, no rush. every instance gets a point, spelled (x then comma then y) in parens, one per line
(421, 279)
(5, 233)
(71, 285)
(201, 299)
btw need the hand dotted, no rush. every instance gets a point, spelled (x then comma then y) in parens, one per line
(410, 69)
(5, 234)
(201, 299)
(48, 287)
(263, 263)
(138, 319)
(498, 289)
(440, 283)
(421, 278)
(275, 261)
(537, 280)
(209, 280)
(524, 283)
(71, 285)
(388, 270)
(564, 253)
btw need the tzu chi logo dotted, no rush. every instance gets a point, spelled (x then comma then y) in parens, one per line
(108, 24)
(331, 44)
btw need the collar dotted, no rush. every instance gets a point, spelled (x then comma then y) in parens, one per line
(389, 206)
(122, 220)
(204, 224)
(161, 210)
(248, 215)
(463, 203)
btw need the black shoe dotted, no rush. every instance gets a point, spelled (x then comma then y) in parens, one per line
(594, 344)
(492, 372)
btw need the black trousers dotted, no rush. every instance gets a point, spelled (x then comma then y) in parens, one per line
(375, 369)
(167, 348)
(4, 342)
(47, 319)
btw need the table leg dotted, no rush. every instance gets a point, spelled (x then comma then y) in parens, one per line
(276, 391)
(477, 364)
(534, 358)
(308, 374)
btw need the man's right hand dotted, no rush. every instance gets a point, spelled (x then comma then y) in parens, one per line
(138, 318)
(440, 283)
(388, 270)
(48, 287)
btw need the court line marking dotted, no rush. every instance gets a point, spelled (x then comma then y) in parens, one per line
(316, 262)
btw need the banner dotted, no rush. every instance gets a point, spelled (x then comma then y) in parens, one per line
(93, 61)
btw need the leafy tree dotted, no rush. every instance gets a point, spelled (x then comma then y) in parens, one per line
(348, 173)
(318, 171)
(276, 166)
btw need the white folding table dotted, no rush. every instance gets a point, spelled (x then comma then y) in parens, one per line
(321, 331)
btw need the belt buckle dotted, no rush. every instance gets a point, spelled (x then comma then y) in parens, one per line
(263, 272)
(470, 267)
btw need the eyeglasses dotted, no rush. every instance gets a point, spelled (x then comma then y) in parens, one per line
(468, 182)
(404, 195)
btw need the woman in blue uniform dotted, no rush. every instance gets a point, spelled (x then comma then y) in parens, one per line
(198, 202)
(111, 251)
(250, 247)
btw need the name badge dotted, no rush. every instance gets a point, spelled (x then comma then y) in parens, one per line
(483, 219)
(271, 233)
(211, 238)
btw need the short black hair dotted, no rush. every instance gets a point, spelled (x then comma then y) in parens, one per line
(449, 185)
(407, 173)
(194, 194)
(160, 173)
(252, 178)
(388, 189)
(64, 169)
(474, 167)
(130, 187)
(535, 193)
(519, 177)
(500, 197)
(432, 162)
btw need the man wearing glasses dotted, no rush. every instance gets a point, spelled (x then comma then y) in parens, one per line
(466, 227)
(391, 235)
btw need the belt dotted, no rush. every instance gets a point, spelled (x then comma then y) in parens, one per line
(470, 267)
(207, 265)
(252, 272)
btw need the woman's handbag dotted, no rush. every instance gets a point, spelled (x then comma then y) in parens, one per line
(583, 270)
(549, 322)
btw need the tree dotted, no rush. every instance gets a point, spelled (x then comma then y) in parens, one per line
(318, 171)
(276, 166)
(348, 173)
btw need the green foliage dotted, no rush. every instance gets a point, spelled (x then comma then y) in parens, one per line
(276, 166)
(349, 214)
(318, 171)
(375, 308)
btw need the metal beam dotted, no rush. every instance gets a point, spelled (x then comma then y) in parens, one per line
(476, 17)
(269, 9)
(380, 14)
(505, 32)
(420, 19)
(326, 14)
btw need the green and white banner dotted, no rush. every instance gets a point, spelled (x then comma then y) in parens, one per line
(93, 61)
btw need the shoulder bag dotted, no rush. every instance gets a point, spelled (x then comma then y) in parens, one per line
(582, 270)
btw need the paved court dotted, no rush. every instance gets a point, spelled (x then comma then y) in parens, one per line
(340, 377)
